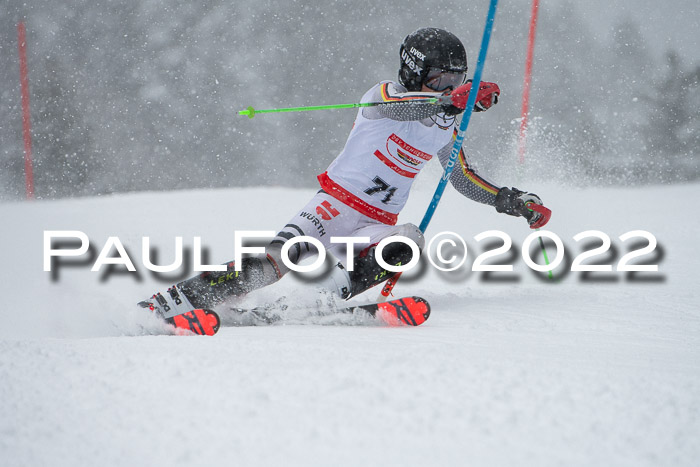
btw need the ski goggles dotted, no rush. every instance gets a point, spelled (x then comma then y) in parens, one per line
(441, 80)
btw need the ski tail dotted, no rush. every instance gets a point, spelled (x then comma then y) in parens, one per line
(408, 311)
(200, 322)
(175, 309)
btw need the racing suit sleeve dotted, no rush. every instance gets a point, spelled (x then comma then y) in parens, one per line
(390, 93)
(466, 180)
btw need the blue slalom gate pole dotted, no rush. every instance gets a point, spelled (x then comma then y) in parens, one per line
(457, 146)
(471, 101)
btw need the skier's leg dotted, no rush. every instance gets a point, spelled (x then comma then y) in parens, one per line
(210, 288)
(213, 287)
(367, 272)
(322, 218)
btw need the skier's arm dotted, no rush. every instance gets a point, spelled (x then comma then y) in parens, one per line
(451, 102)
(401, 111)
(506, 200)
(466, 180)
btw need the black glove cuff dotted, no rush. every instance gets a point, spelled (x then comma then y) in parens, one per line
(451, 110)
(508, 202)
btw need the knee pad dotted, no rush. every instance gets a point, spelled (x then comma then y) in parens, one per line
(413, 232)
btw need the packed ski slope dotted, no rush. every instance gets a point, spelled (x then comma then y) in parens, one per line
(520, 372)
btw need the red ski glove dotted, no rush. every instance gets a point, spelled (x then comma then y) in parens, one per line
(485, 98)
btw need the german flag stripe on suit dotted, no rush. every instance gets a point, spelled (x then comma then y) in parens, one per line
(471, 175)
(387, 97)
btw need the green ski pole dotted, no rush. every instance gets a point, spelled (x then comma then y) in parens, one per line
(250, 111)
(538, 208)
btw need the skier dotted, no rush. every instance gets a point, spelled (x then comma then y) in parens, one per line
(367, 185)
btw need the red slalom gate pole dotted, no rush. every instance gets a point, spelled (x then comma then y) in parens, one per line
(526, 108)
(26, 116)
(528, 81)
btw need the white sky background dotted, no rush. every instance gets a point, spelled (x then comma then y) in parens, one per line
(666, 24)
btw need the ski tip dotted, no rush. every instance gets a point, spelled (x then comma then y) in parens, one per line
(407, 311)
(212, 322)
(425, 304)
(420, 310)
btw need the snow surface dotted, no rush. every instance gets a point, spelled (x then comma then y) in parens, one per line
(532, 372)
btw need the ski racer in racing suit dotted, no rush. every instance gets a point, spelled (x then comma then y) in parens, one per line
(366, 186)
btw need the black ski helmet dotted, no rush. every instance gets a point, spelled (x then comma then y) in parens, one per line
(429, 48)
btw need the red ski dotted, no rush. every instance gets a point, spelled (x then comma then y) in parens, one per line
(202, 322)
(407, 311)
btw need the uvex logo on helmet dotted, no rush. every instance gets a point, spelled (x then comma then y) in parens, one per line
(417, 53)
(410, 62)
